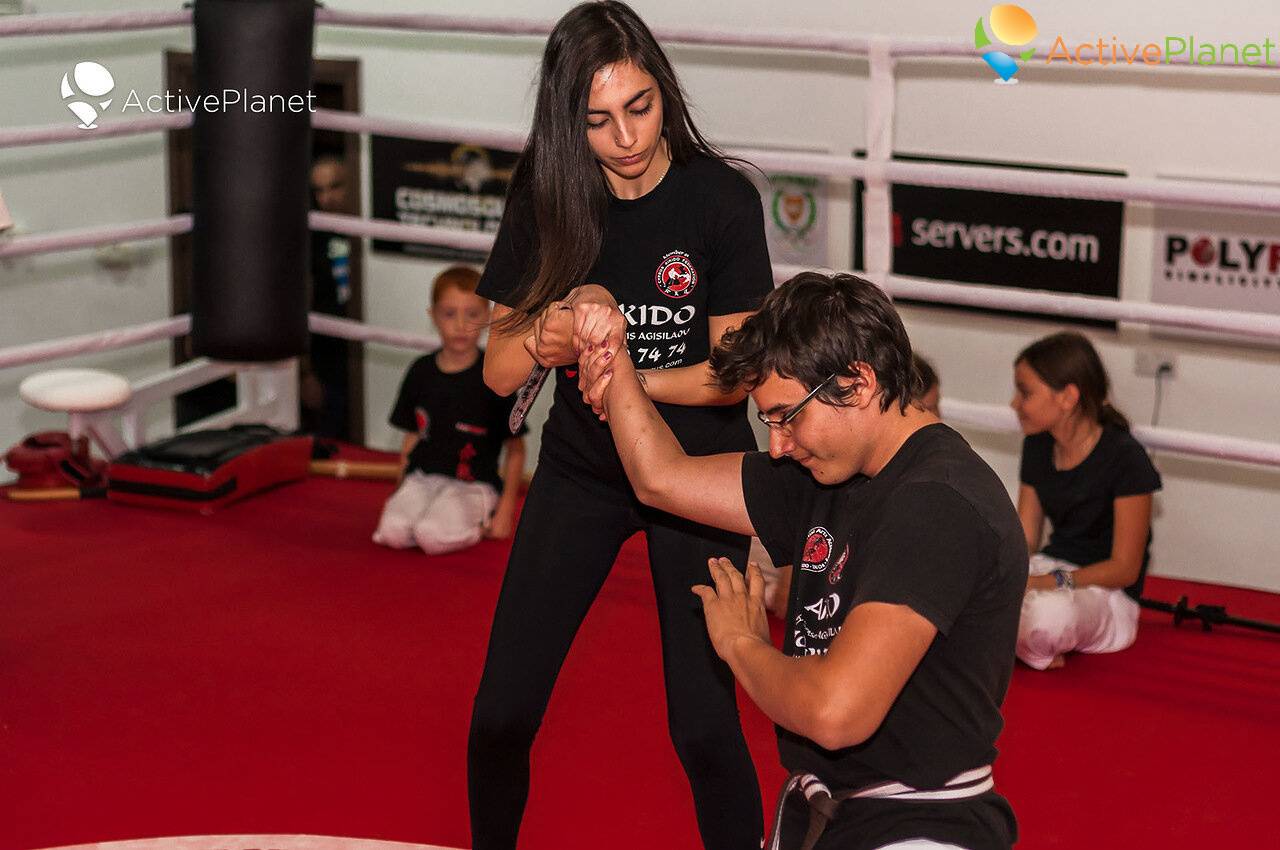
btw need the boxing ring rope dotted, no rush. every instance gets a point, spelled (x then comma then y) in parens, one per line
(999, 418)
(54, 133)
(65, 24)
(70, 240)
(126, 337)
(1085, 186)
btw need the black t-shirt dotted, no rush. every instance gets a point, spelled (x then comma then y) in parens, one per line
(1079, 502)
(935, 531)
(691, 248)
(461, 424)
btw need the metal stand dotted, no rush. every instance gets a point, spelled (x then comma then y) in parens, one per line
(1208, 615)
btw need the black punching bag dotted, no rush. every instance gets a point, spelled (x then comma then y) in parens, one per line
(251, 168)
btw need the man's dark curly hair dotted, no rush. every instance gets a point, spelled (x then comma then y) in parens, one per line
(815, 325)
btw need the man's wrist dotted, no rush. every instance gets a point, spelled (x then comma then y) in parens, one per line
(740, 646)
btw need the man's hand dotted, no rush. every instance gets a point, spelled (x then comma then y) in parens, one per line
(596, 368)
(734, 609)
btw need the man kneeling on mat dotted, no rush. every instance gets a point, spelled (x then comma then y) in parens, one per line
(910, 566)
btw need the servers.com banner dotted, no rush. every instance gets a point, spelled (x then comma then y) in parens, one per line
(439, 184)
(1063, 245)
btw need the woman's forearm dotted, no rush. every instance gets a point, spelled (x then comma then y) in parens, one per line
(689, 385)
(506, 363)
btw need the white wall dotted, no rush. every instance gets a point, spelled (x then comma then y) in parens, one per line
(1214, 519)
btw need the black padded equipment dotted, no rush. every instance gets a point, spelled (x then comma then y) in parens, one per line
(250, 175)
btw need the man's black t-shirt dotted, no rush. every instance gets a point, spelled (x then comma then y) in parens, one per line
(935, 531)
(1078, 502)
(691, 248)
(461, 424)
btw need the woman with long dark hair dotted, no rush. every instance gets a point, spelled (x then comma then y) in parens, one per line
(617, 199)
(1083, 471)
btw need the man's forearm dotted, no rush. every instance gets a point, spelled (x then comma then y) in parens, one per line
(644, 440)
(788, 690)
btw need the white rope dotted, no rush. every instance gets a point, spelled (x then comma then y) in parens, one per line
(993, 417)
(351, 225)
(846, 44)
(1255, 325)
(353, 122)
(38, 352)
(360, 332)
(1187, 193)
(877, 208)
(66, 132)
(824, 42)
(105, 22)
(69, 240)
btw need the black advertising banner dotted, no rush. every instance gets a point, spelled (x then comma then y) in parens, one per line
(1063, 245)
(439, 184)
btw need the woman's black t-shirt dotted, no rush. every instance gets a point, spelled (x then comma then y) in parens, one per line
(1078, 502)
(691, 248)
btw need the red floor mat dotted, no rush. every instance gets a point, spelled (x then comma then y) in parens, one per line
(269, 670)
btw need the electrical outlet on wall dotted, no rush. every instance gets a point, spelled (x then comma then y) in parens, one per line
(1147, 363)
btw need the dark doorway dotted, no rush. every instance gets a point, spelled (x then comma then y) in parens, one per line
(336, 84)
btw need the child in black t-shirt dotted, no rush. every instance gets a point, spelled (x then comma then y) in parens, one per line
(456, 427)
(1082, 470)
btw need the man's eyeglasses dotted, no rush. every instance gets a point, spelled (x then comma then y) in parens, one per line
(782, 422)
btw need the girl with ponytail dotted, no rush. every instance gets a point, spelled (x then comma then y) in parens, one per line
(1083, 471)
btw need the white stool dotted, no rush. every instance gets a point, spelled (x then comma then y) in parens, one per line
(84, 395)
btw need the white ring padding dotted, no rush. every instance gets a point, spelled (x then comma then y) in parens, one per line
(39, 352)
(252, 842)
(1256, 325)
(359, 332)
(69, 240)
(994, 417)
(53, 133)
(1097, 187)
(379, 228)
(877, 207)
(75, 390)
(847, 44)
(106, 22)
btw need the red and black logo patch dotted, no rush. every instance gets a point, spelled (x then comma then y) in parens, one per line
(817, 550)
(422, 420)
(676, 277)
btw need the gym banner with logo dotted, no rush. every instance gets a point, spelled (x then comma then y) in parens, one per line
(1219, 260)
(795, 216)
(1035, 242)
(439, 184)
